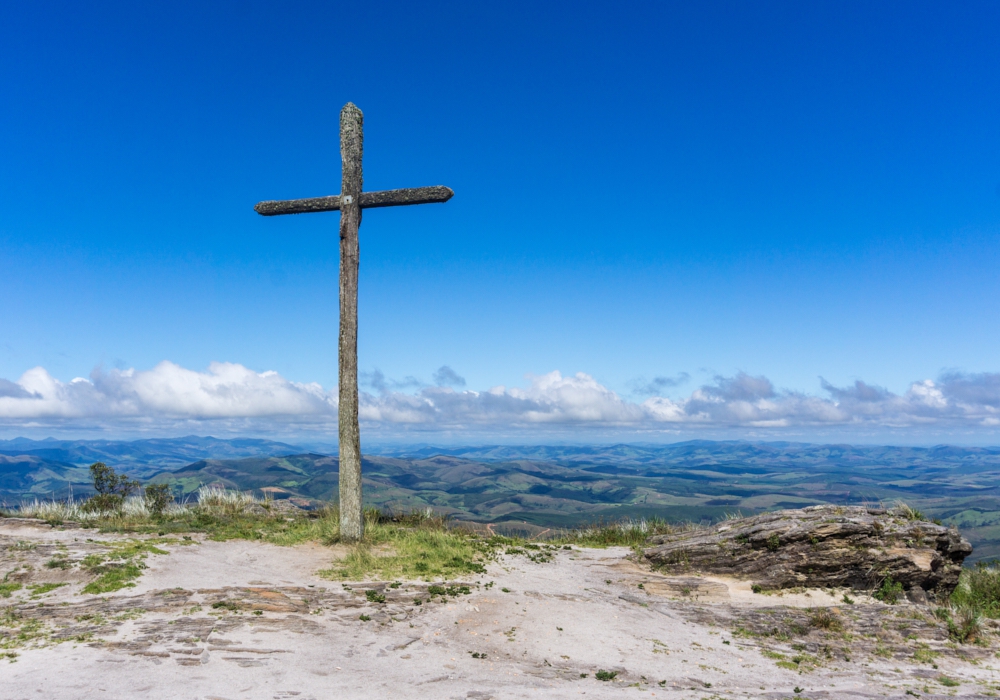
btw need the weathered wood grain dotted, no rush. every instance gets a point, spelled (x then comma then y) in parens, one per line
(298, 206)
(351, 151)
(406, 196)
(369, 200)
(350, 202)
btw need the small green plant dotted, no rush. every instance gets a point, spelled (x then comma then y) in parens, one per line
(225, 605)
(158, 497)
(603, 675)
(848, 600)
(757, 588)
(505, 590)
(797, 690)
(890, 592)
(58, 563)
(773, 542)
(948, 682)
(364, 618)
(436, 590)
(374, 596)
(477, 655)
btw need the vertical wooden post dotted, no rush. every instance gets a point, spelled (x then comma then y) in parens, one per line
(351, 151)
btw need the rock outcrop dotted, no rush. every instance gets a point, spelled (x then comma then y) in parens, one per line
(823, 546)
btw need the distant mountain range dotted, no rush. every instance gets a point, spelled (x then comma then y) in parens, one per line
(538, 487)
(55, 468)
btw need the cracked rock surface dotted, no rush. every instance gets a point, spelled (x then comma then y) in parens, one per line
(822, 546)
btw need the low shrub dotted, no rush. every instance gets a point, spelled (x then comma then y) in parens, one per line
(112, 489)
(890, 592)
(158, 497)
(979, 588)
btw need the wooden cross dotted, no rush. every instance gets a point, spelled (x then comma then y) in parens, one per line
(350, 202)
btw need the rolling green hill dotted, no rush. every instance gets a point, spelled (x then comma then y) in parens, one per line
(58, 468)
(539, 487)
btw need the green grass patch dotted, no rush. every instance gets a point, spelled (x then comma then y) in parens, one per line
(8, 587)
(17, 631)
(40, 589)
(924, 654)
(119, 567)
(430, 552)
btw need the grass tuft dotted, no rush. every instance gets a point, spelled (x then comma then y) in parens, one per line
(627, 532)
(827, 620)
(979, 588)
(907, 512)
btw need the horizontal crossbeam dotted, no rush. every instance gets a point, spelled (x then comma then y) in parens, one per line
(369, 200)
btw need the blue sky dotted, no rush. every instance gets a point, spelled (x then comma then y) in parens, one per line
(748, 207)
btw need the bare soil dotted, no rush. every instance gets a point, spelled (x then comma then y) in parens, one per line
(228, 620)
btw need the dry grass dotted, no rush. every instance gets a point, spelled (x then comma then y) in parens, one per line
(627, 532)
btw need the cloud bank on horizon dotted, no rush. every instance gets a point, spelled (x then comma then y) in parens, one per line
(229, 397)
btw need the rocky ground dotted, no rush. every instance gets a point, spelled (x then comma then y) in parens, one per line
(245, 620)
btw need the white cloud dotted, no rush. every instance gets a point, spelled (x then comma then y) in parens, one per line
(229, 397)
(225, 390)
